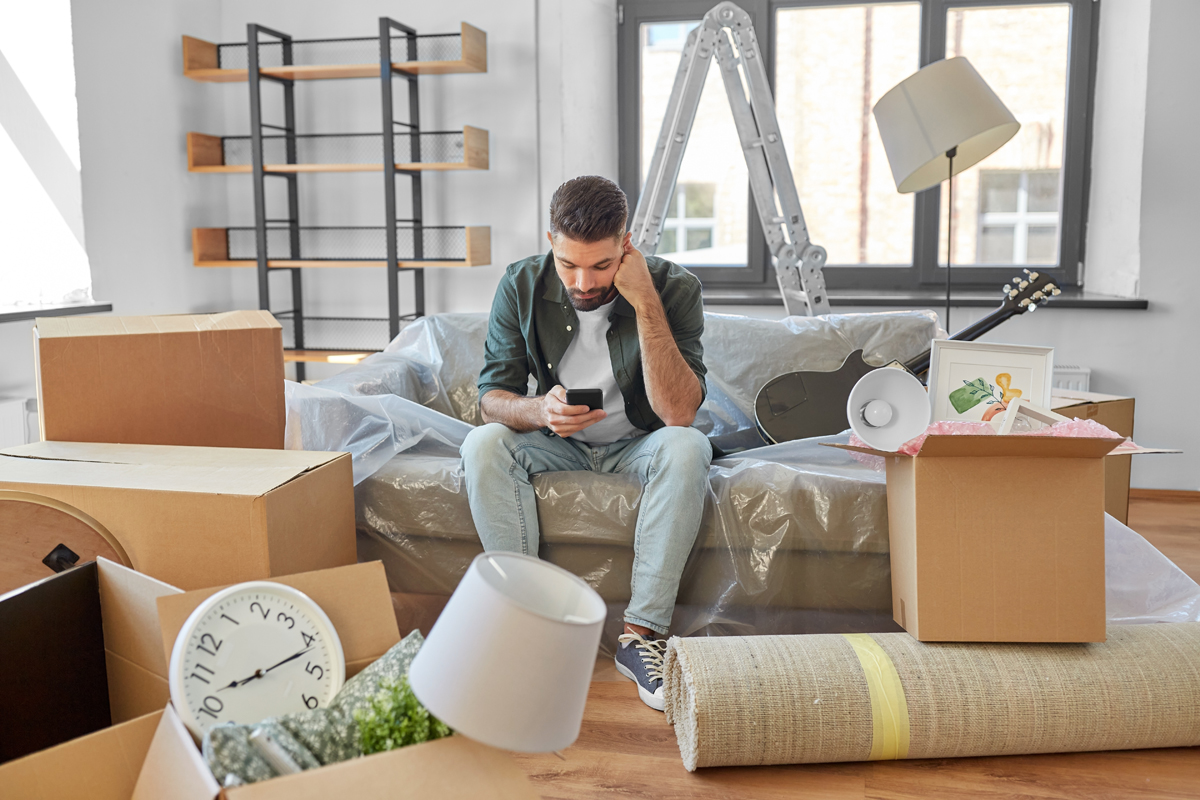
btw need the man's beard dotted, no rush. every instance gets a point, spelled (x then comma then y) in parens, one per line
(591, 303)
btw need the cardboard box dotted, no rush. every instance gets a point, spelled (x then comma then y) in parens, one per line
(998, 538)
(1114, 413)
(154, 756)
(211, 380)
(83, 651)
(201, 516)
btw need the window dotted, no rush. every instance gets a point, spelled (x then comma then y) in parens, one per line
(1018, 217)
(42, 256)
(689, 233)
(829, 63)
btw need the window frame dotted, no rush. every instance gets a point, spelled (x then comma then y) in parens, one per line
(924, 271)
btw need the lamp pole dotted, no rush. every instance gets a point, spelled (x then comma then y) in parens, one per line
(950, 154)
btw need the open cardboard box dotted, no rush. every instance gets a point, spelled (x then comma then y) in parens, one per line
(199, 516)
(154, 756)
(998, 538)
(83, 651)
(213, 380)
(1116, 414)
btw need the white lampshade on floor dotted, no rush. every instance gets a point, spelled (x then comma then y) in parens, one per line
(509, 661)
(945, 105)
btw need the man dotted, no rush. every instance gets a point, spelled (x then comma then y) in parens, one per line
(594, 313)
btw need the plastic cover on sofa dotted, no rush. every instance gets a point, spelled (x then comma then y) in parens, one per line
(794, 536)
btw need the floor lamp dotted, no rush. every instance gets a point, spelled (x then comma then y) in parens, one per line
(936, 123)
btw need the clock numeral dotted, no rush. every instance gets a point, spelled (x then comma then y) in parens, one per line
(282, 616)
(308, 640)
(264, 611)
(310, 702)
(311, 668)
(212, 706)
(212, 642)
(198, 677)
(231, 619)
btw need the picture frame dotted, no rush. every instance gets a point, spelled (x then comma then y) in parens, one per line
(975, 381)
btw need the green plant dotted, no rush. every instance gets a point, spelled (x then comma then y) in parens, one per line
(396, 718)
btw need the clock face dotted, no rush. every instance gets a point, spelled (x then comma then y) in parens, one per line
(253, 651)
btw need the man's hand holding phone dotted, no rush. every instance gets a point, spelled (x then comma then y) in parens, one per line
(565, 419)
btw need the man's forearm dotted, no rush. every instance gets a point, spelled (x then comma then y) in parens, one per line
(522, 414)
(671, 386)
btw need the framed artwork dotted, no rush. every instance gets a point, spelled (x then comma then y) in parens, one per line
(975, 381)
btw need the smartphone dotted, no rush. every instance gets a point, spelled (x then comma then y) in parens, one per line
(592, 398)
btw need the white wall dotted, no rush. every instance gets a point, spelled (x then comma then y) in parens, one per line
(549, 102)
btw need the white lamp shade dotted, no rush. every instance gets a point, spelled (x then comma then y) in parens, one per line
(509, 661)
(946, 104)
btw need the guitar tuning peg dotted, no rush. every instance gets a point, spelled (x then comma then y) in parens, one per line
(1033, 276)
(1013, 293)
(1038, 296)
(1025, 271)
(1024, 303)
(1033, 307)
(1057, 291)
(1007, 288)
(1023, 284)
(1016, 279)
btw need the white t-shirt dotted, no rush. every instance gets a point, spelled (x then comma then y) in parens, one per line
(587, 365)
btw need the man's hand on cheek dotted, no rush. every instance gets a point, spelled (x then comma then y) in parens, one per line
(564, 419)
(633, 276)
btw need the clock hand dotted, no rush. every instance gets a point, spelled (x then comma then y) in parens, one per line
(259, 673)
(286, 660)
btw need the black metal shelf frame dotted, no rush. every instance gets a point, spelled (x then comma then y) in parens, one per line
(281, 48)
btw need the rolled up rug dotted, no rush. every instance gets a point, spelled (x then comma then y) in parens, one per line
(755, 700)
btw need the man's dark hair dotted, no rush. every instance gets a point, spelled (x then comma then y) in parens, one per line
(588, 209)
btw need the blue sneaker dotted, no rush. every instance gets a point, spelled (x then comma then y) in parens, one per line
(641, 660)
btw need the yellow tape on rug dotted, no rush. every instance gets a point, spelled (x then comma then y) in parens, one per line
(889, 708)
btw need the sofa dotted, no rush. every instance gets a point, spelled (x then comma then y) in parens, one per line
(793, 538)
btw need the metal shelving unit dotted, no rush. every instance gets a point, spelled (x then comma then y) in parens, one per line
(282, 152)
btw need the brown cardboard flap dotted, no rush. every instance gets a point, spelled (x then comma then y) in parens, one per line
(355, 597)
(1064, 398)
(101, 766)
(208, 470)
(1016, 447)
(869, 451)
(137, 672)
(132, 690)
(173, 768)
(455, 768)
(174, 456)
(58, 327)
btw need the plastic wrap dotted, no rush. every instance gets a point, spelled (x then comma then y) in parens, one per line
(793, 538)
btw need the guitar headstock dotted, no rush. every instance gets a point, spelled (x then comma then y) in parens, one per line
(1028, 292)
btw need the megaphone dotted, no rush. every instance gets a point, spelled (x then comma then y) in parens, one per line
(887, 407)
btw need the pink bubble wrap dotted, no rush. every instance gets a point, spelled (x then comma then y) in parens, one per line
(1082, 428)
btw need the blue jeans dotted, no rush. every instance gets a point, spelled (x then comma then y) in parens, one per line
(671, 462)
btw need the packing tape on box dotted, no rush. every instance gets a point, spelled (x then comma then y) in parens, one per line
(889, 707)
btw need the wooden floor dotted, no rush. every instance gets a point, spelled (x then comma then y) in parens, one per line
(626, 750)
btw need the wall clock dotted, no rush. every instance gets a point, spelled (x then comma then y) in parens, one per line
(251, 651)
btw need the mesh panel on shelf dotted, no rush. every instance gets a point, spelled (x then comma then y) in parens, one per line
(352, 148)
(351, 243)
(365, 50)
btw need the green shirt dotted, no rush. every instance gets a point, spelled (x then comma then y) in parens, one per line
(533, 321)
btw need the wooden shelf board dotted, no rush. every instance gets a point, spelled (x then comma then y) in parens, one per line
(414, 167)
(327, 356)
(313, 264)
(322, 72)
(200, 59)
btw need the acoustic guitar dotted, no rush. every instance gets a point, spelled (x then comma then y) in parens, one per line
(803, 404)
